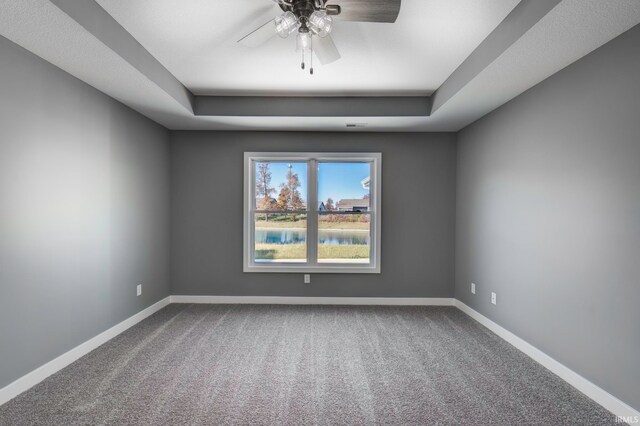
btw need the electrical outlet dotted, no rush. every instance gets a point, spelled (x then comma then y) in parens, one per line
(307, 278)
(473, 288)
(138, 289)
(494, 298)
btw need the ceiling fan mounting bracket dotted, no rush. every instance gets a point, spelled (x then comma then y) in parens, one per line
(304, 8)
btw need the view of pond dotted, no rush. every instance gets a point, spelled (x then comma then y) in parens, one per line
(296, 236)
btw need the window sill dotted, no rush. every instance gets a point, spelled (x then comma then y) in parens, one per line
(308, 269)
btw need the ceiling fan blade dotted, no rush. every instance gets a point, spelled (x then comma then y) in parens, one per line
(325, 49)
(367, 10)
(260, 35)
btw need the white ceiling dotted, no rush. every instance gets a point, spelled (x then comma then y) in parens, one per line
(571, 30)
(196, 41)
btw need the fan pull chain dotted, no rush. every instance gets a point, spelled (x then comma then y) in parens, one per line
(302, 65)
(311, 55)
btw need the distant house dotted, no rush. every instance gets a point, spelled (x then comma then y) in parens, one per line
(353, 205)
(322, 207)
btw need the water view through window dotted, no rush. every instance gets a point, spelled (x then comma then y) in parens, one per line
(343, 221)
(281, 237)
(316, 212)
(344, 229)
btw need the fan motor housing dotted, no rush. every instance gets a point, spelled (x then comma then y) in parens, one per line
(304, 8)
(301, 8)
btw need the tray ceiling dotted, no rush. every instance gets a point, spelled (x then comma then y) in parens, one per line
(178, 64)
(196, 41)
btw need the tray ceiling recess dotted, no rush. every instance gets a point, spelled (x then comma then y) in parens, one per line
(404, 65)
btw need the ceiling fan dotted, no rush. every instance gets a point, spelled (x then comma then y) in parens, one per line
(313, 20)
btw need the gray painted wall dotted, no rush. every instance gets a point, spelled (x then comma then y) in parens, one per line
(418, 215)
(84, 212)
(548, 216)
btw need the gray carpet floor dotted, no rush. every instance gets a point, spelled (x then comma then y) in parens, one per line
(298, 365)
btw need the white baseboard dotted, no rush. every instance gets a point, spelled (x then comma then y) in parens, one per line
(39, 374)
(277, 300)
(599, 395)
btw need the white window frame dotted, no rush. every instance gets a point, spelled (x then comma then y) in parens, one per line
(312, 265)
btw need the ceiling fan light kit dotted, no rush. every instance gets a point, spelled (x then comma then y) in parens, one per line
(314, 18)
(286, 24)
(320, 23)
(303, 42)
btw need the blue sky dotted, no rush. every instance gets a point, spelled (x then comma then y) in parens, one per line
(335, 180)
(341, 180)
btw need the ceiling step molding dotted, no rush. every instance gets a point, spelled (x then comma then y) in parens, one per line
(92, 17)
(289, 106)
(521, 19)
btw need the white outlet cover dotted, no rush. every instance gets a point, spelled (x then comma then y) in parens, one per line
(473, 288)
(494, 298)
(138, 289)
(307, 278)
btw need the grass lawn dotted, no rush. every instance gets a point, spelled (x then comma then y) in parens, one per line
(302, 224)
(299, 251)
(343, 251)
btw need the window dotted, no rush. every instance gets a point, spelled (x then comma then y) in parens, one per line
(307, 212)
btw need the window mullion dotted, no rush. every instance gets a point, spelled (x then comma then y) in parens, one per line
(251, 192)
(312, 214)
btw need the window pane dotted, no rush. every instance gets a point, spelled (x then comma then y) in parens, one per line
(281, 186)
(344, 238)
(280, 238)
(344, 186)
